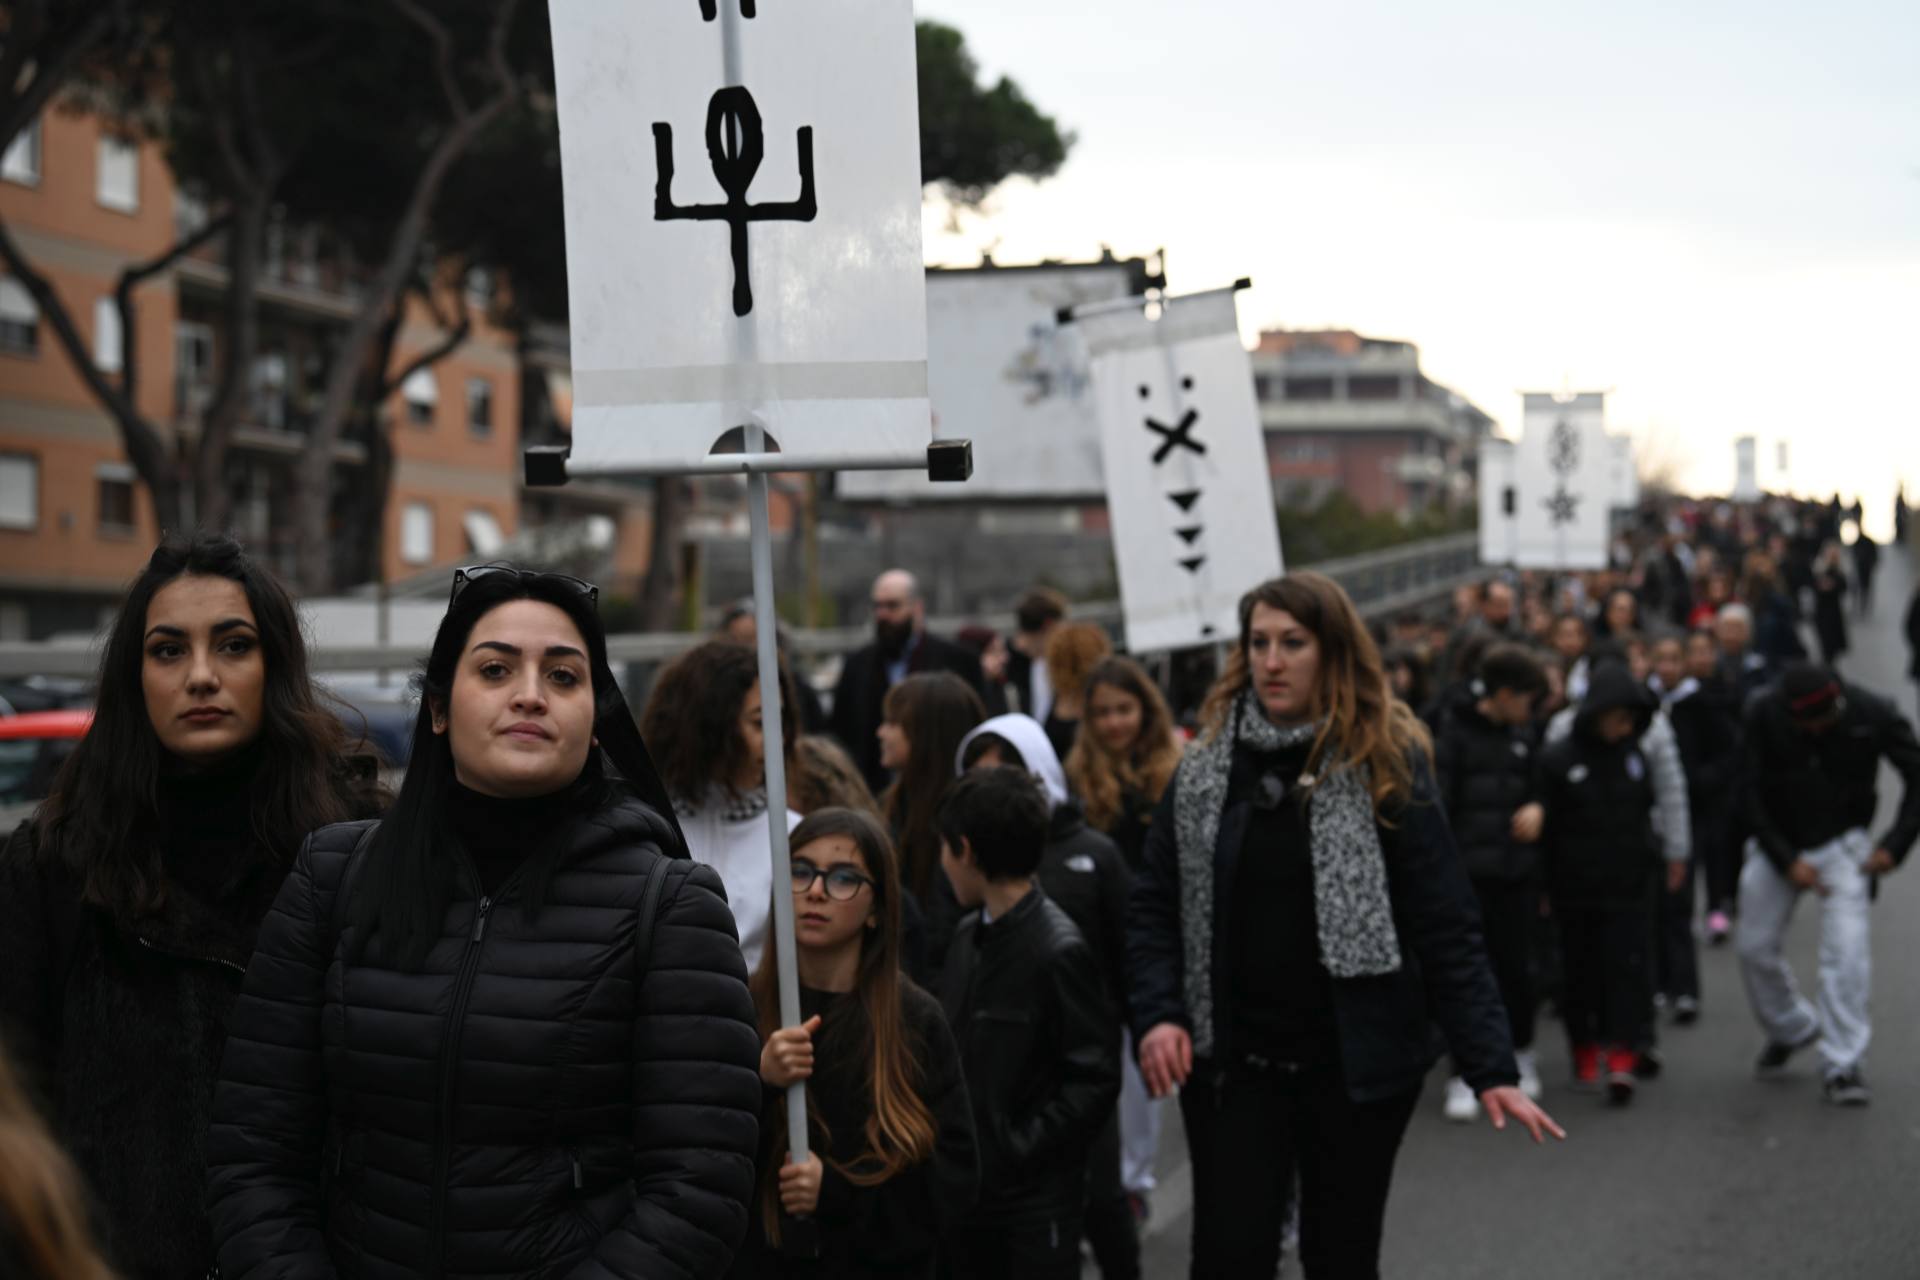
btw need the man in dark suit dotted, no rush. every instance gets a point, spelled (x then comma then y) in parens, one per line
(901, 647)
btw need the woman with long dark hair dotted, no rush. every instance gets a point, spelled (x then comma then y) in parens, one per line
(130, 903)
(505, 1031)
(703, 722)
(923, 721)
(892, 1165)
(1302, 922)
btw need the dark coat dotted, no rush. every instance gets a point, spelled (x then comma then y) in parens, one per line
(1386, 1023)
(1776, 632)
(1830, 612)
(862, 689)
(1599, 846)
(1706, 725)
(1802, 790)
(1084, 875)
(118, 1027)
(532, 1102)
(1485, 772)
(1040, 1055)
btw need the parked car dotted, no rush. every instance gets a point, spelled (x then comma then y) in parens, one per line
(33, 745)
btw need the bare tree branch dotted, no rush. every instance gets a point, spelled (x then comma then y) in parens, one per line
(136, 275)
(443, 53)
(451, 338)
(53, 54)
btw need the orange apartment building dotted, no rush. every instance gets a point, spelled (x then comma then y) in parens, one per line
(74, 522)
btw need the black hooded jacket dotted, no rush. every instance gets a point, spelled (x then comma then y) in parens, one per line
(1485, 774)
(1599, 844)
(535, 1100)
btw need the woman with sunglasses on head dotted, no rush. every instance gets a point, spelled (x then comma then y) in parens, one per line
(892, 1165)
(506, 1031)
(130, 903)
(1302, 922)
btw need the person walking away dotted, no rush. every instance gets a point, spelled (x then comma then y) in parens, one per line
(1813, 750)
(1483, 771)
(1776, 616)
(1595, 792)
(1072, 653)
(1830, 604)
(926, 719)
(1035, 617)
(902, 646)
(1027, 1003)
(892, 1167)
(1716, 847)
(703, 720)
(1119, 769)
(1866, 563)
(506, 1030)
(1302, 924)
(1709, 740)
(129, 904)
(1083, 873)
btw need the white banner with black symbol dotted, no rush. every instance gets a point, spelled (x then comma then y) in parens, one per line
(743, 227)
(1499, 505)
(1564, 482)
(1188, 490)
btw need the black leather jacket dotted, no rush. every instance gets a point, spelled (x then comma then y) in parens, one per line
(1039, 1047)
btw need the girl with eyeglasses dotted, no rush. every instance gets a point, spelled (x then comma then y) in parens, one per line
(893, 1163)
(506, 1031)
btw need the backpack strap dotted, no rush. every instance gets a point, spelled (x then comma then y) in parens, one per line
(649, 909)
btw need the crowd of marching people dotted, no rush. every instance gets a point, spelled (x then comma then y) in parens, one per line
(522, 1016)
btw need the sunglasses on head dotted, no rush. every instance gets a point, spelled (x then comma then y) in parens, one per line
(474, 572)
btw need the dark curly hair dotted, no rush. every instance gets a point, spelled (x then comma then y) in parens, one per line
(692, 721)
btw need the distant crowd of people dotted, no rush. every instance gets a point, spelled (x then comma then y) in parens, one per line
(522, 1017)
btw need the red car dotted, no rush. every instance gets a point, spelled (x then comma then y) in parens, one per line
(32, 747)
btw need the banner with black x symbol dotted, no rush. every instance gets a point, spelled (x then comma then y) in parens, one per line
(1179, 436)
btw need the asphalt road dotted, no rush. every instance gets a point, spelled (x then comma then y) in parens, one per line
(1710, 1172)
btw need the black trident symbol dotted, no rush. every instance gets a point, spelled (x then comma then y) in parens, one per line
(736, 146)
(710, 9)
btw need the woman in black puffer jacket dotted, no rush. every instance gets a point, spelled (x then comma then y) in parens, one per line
(506, 1032)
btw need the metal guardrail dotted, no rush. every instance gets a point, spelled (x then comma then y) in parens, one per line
(1381, 583)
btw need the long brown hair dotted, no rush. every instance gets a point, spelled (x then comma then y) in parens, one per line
(900, 1130)
(1365, 723)
(935, 710)
(42, 1210)
(1073, 650)
(1101, 777)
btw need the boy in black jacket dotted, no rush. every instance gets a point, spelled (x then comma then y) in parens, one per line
(1038, 1036)
(1600, 851)
(1483, 761)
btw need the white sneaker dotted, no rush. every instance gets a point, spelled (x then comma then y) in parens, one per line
(1529, 1073)
(1462, 1107)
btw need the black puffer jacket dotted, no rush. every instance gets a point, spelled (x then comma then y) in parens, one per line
(1485, 773)
(1599, 844)
(533, 1103)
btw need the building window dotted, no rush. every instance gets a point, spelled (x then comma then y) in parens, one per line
(416, 533)
(1309, 388)
(21, 163)
(484, 538)
(19, 491)
(106, 335)
(480, 407)
(116, 175)
(269, 391)
(192, 367)
(115, 483)
(1373, 387)
(1262, 387)
(19, 318)
(422, 393)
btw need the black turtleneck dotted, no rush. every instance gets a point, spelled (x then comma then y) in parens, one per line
(207, 841)
(500, 834)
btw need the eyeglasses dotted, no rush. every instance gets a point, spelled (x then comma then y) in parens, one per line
(474, 572)
(843, 882)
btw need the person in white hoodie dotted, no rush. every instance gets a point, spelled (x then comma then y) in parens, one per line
(703, 724)
(1086, 876)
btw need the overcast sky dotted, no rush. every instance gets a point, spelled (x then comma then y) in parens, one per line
(1712, 209)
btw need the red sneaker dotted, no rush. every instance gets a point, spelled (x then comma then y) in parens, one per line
(1620, 1076)
(1586, 1068)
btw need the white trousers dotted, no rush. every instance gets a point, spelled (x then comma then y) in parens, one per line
(1139, 1127)
(1767, 900)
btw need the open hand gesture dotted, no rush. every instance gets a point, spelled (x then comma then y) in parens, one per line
(1505, 1102)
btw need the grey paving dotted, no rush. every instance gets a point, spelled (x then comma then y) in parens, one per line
(1710, 1173)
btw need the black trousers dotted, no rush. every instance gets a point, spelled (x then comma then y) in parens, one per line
(1718, 853)
(1248, 1130)
(1109, 1227)
(1509, 911)
(1039, 1250)
(1676, 957)
(1609, 994)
